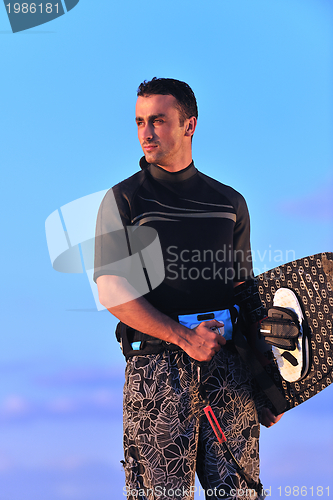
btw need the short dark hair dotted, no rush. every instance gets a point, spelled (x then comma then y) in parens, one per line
(187, 103)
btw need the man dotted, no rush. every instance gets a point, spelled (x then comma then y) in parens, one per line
(203, 231)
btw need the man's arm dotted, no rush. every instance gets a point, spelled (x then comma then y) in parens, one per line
(201, 343)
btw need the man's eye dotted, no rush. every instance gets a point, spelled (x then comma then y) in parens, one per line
(158, 120)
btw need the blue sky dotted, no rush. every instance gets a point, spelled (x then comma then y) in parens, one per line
(262, 74)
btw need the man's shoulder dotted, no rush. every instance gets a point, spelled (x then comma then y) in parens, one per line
(131, 183)
(234, 196)
(126, 188)
(123, 192)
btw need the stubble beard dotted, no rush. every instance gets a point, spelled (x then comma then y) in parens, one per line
(154, 156)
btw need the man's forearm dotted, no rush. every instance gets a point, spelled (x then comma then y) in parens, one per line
(122, 300)
(137, 312)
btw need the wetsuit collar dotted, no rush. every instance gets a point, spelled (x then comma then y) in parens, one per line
(163, 175)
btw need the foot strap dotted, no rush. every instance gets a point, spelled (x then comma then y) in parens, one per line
(281, 328)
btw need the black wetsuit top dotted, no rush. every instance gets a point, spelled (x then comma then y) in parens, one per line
(203, 230)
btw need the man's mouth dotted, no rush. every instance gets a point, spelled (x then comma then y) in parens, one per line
(149, 147)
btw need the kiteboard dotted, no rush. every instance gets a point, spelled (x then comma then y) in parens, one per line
(311, 280)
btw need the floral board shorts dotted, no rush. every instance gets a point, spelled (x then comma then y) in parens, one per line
(167, 437)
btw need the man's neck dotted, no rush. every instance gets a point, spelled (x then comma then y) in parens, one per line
(177, 165)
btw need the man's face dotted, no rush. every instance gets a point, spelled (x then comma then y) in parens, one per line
(163, 140)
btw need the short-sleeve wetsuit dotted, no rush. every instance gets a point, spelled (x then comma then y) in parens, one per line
(204, 235)
(203, 228)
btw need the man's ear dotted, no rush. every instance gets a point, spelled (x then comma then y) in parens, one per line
(190, 126)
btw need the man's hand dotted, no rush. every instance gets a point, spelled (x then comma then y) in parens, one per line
(204, 342)
(268, 418)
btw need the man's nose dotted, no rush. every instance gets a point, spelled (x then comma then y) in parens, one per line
(147, 132)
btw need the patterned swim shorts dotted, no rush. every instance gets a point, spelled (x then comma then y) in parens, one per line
(167, 437)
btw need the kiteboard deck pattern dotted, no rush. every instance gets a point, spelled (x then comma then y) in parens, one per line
(311, 279)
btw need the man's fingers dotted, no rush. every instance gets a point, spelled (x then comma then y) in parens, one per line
(221, 340)
(268, 418)
(215, 326)
(212, 323)
(206, 341)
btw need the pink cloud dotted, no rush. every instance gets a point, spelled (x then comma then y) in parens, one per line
(15, 406)
(316, 205)
(98, 402)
